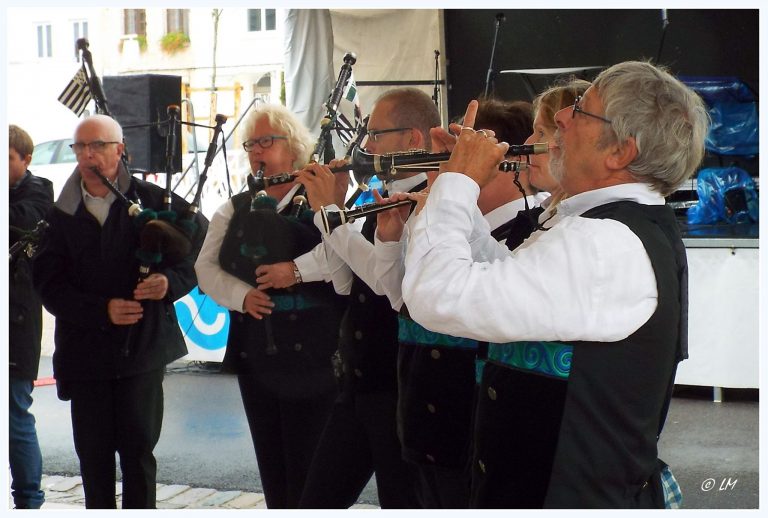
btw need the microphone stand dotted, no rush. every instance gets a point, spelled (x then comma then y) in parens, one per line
(170, 152)
(491, 74)
(94, 84)
(436, 94)
(664, 25)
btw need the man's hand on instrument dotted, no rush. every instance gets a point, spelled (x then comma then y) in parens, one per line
(390, 223)
(277, 275)
(153, 287)
(320, 184)
(123, 312)
(477, 153)
(257, 303)
(342, 180)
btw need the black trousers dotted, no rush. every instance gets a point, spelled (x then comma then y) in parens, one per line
(443, 488)
(123, 416)
(285, 433)
(360, 439)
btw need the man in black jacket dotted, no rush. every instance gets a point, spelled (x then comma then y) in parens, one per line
(114, 335)
(30, 198)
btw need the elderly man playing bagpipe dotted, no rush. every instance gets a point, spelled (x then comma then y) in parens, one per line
(115, 334)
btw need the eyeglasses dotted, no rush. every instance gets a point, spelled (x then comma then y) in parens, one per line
(374, 134)
(264, 142)
(577, 109)
(97, 146)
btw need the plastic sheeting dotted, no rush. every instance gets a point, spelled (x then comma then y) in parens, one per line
(733, 109)
(309, 74)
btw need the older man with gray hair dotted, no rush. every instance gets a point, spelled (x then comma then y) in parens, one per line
(586, 320)
(115, 332)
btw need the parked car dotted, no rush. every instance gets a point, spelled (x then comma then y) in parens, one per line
(55, 161)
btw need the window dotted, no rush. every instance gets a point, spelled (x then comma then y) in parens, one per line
(135, 21)
(44, 41)
(177, 20)
(80, 30)
(261, 19)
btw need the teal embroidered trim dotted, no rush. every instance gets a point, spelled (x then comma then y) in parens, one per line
(479, 364)
(414, 334)
(551, 358)
(292, 303)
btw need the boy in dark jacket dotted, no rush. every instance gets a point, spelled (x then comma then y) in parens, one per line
(30, 198)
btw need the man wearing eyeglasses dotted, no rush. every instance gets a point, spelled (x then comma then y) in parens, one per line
(593, 307)
(360, 439)
(114, 334)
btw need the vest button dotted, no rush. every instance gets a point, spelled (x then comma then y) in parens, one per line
(361, 297)
(297, 347)
(359, 335)
(430, 458)
(435, 354)
(431, 408)
(358, 373)
(243, 354)
(492, 393)
(293, 317)
(481, 465)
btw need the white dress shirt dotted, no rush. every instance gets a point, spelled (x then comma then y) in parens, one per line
(98, 206)
(347, 246)
(390, 255)
(583, 279)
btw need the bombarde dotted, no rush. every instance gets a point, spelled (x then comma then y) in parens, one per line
(333, 219)
(386, 167)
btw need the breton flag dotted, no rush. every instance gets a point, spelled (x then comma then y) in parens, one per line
(350, 105)
(352, 96)
(76, 95)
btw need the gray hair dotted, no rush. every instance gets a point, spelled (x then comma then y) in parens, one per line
(667, 119)
(300, 141)
(412, 108)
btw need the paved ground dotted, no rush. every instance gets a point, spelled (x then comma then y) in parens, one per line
(206, 460)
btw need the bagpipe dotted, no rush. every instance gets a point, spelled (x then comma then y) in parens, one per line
(257, 234)
(28, 240)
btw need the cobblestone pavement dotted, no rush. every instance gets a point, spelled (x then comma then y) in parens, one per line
(67, 493)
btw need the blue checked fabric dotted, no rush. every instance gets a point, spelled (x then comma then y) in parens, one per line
(673, 495)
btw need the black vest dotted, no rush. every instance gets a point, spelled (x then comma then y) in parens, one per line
(589, 441)
(368, 340)
(305, 321)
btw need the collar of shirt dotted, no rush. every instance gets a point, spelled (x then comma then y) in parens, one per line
(288, 198)
(98, 206)
(506, 212)
(88, 196)
(406, 184)
(637, 192)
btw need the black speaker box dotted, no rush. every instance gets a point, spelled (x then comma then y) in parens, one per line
(142, 100)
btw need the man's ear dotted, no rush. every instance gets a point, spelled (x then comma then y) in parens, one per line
(622, 154)
(27, 160)
(418, 141)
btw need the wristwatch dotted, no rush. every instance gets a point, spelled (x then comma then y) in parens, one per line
(296, 273)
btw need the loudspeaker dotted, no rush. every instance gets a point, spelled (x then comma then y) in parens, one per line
(142, 100)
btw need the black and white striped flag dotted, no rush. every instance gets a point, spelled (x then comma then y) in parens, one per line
(76, 95)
